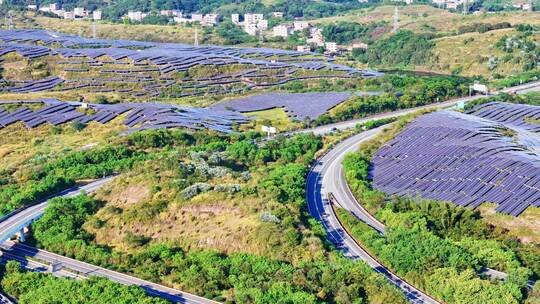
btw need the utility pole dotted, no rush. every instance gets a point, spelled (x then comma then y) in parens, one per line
(10, 20)
(396, 19)
(94, 30)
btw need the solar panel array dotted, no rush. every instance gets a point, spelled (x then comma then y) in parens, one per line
(461, 158)
(139, 116)
(297, 105)
(517, 115)
(154, 64)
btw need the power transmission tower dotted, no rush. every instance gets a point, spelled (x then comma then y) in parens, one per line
(396, 19)
(196, 37)
(465, 7)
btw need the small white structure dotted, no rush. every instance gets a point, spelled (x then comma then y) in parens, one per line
(79, 11)
(331, 47)
(282, 31)
(300, 25)
(277, 14)
(96, 15)
(251, 29)
(262, 25)
(253, 18)
(135, 15)
(69, 15)
(269, 130)
(210, 19)
(477, 87)
(235, 18)
(197, 18)
(165, 13)
(31, 7)
(316, 37)
(303, 48)
(50, 8)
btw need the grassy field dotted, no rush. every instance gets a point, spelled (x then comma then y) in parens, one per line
(425, 18)
(210, 220)
(524, 227)
(468, 54)
(157, 33)
(273, 117)
(19, 145)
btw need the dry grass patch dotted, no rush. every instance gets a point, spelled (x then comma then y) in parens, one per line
(19, 144)
(524, 227)
(210, 221)
(425, 18)
(142, 32)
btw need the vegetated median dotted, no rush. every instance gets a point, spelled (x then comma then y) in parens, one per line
(438, 247)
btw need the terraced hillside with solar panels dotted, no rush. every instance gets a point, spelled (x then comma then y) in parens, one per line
(42, 61)
(488, 155)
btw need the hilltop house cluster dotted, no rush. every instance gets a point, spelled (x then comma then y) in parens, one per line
(253, 24)
(453, 4)
(316, 38)
(76, 13)
(178, 17)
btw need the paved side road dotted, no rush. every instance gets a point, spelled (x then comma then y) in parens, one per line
(12, 224)
(317, 188)
(521, 89)
(86, 269)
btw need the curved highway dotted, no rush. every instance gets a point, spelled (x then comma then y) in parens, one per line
(327, 176)
(320, 182)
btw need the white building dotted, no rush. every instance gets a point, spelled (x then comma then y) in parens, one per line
(197, 18)
(50, 8)
(277, 14)
(181, 20)
(262, 25)
(282, 31)
(69, 15)
(171, 13)
(31, 7)
(303, 48)
(251, 29)
(96, 15)
(331, 47)
(59, 13)
(210, 19)
(79, 11)
(300, 25)
(253, 18)
(235, 18)
(316, 37)
(136, 16)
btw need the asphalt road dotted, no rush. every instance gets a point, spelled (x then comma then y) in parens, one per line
(12, 224)
(11, 250)
(327, 176)
(319, 184)
(86, 269)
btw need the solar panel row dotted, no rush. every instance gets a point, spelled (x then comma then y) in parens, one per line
(155, 61)
(297, 105)
(461, 158)
(140, 116)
